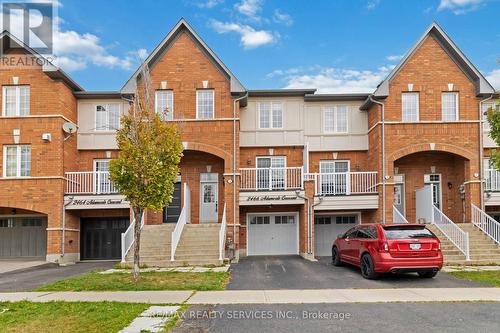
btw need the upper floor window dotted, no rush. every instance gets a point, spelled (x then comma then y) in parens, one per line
(107, 117)
(16, 100)
(449, 106)
(205, 104)
(486, 108)
(16, 161)
(338, 166)
(409, 107)
(270, 115)
(335, 119)
(164, 104)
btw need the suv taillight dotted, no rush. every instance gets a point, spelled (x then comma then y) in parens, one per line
(383, 247)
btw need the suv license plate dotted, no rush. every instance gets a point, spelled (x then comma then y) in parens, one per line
(415, 246)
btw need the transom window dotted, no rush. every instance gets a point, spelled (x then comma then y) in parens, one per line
(107, 117)
(449, 106)
(410, 107)
(7, 223)
(333, 166)
(16, 101)
(271, 173)
(164, 104)
(286, 219)
(270, 115)
(17, 161)
(260, 220)
(335, 119)
(205, 104)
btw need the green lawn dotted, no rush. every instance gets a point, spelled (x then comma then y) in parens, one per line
(149, 281)
(489, 277)
(27, 317)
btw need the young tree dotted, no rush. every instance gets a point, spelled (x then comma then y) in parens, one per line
(148, 162)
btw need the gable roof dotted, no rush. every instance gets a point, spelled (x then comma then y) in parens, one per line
(183, 26)
(48, 68)
(434, 30)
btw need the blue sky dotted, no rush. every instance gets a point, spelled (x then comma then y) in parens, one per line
(336, 46)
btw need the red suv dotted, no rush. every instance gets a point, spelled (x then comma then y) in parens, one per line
(396, 248)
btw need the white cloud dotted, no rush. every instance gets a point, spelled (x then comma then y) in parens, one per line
(394, 57)
(372, 4)
(333, 80)
(249, 37)
(250, 8)
(282, 17)
(209, 3)
(494, 78)
(459, 7)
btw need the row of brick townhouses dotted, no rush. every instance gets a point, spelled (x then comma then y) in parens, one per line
(284, 171)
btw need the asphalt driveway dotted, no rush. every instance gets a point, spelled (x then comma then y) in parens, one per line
(30, 278)
(294, 272)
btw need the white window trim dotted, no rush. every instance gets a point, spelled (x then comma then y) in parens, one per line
(271, 157)
(18, 161)
(417, 105)
(171, 112)
(106, 105)
(271, 128)
(457, 108)
(213, 103)
(330, 161)
(18, 100)
(97, 160)
(335, 131)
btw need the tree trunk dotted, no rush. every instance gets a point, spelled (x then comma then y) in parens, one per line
(137, 241)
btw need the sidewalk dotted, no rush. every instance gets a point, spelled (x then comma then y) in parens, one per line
(267, 296)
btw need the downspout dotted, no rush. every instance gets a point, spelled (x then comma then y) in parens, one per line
(383, 158)
(481, 145)
(234, 171)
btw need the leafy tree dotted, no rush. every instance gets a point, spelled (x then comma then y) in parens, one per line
(493, 115)
(148, 162)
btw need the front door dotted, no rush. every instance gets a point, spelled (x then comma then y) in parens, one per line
(399, 194)
(172, 212)
(208, 197)
(435, 181)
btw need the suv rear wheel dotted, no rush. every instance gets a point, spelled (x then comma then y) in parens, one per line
(368, 268)
(336, 257)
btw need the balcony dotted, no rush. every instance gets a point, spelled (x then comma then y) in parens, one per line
(492, 187)
(89, 182)
(345, 190)
(271, 179)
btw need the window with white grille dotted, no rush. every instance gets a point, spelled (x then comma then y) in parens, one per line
(16, 101)
(449, 106)
(486, 108)
(335, 119)
(16, 161)
(164, 104)
(410, 107)
(205, 104)
(107, 117)
(270, 115)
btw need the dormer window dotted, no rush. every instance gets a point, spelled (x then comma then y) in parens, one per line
(16, 101)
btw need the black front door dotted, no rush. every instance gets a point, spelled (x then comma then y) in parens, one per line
(173, 210)
(101, 237)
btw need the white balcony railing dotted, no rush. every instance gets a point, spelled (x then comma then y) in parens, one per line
(486, 223)
(128, 237)
(89, 182)
(345, 183)
(453, 232)
(271, 179)
(397, 217)
(492, 179)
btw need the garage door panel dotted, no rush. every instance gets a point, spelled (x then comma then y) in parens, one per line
(273, 234)
(23, 237)
(327, 228)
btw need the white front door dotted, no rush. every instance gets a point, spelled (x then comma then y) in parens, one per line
(208, 198)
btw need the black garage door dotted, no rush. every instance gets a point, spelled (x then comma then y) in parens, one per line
(101, 237)
(23, 237)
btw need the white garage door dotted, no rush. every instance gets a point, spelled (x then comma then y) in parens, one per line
(273, 234)
(327, 228)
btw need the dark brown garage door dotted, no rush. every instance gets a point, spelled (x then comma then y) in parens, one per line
(101, 237)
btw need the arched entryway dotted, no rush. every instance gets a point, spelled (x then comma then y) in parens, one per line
(444, 172)
(23, 233)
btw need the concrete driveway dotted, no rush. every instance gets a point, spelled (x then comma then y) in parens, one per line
(30, 278)
(293, 272)
(11, 265)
